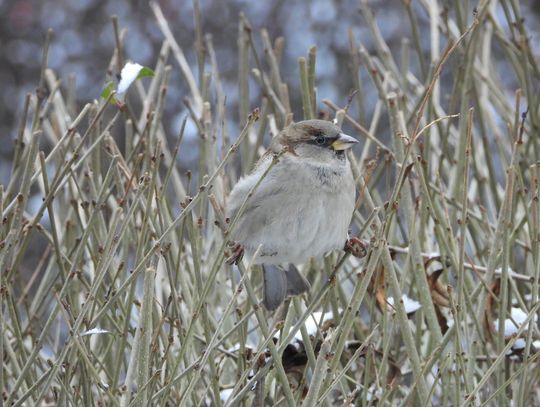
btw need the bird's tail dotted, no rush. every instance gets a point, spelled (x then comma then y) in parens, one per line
(279, 283)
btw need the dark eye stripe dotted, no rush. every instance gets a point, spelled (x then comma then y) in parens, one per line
(321, 140)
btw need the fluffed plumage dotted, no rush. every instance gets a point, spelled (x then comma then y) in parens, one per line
(301, 209)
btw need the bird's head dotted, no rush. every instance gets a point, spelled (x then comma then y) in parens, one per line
(318, 140)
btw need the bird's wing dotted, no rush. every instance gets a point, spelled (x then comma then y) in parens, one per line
(254, 215)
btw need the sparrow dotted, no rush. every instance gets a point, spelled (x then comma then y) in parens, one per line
(300, 209)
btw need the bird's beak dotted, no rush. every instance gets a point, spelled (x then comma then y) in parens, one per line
(343, 142)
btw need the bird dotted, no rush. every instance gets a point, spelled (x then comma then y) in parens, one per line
(296, 204)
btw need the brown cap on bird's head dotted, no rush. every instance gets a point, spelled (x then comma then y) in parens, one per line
(321, 133)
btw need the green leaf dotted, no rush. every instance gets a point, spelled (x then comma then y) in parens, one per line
(145, 72)
(107, 90)
(109, 87)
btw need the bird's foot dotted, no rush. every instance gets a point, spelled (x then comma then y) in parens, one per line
(237, 253)
(356, 246)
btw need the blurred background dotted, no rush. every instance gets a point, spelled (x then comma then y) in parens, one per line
(83, 44)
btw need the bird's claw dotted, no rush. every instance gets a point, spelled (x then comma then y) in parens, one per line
(356, 246)
(237, 253)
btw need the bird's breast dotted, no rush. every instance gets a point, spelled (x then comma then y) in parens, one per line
(315, 208)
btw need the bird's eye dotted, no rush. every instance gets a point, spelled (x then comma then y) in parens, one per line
(320, 140)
